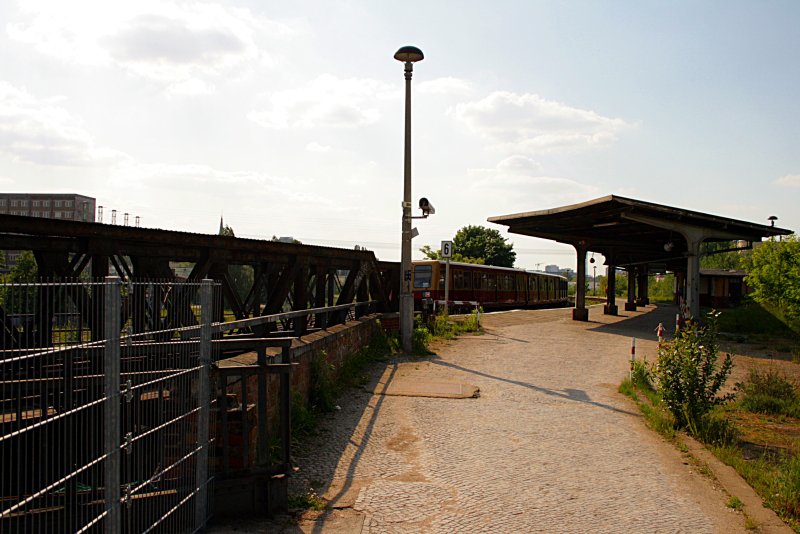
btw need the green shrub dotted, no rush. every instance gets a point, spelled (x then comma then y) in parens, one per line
(443, 326)
(687, 373)
(419, 341)
(769, 392)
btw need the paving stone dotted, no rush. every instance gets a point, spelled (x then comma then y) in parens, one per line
(549, 446)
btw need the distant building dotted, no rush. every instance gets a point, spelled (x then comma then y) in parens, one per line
(62, 206)
(66, 206)
(567, 272)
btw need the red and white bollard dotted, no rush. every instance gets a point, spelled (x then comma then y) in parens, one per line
(633, 355)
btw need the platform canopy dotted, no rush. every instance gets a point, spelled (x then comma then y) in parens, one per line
(631, 232)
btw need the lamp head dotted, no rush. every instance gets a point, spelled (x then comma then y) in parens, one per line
(409, 54)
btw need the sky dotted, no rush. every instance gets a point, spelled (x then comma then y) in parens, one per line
(286, 118)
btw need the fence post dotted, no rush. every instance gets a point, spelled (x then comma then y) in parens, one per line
(112, 430)
(203, 392)
(286, 409)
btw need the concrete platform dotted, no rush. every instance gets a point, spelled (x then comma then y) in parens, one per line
(411, 387)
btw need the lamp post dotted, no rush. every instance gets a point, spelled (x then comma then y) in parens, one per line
(594, 280)
(408, 55)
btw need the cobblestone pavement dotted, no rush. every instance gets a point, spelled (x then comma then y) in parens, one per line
(549, 446)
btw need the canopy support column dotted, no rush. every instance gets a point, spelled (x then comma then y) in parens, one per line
(642, 298)
(630, 305)
(580, 313)
(611, 290)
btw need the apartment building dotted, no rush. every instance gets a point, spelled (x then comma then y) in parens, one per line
(66, 206)
(63, 206)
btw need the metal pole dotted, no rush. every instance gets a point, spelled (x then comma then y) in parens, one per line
(111, 431)
(204, 397)
(406, 296)
(447, 286)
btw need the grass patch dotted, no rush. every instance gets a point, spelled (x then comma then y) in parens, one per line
(657, 417)
(769, 392)
(775, 477)
(773, 472)
(735, 503)
(752, 318)
(441, 326)
(308, 500)
(444, 326)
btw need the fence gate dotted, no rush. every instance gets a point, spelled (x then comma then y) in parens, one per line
(104, 406)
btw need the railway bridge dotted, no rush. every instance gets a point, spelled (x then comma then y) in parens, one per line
(131, 396)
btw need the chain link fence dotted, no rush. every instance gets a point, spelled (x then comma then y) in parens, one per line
(104, 406)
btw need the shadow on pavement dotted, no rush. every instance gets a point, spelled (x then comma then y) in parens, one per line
(576, 395)
(642, 324)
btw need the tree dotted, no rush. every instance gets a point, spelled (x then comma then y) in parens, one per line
(620, 288)
(241, 275)
(721, 260)
(25, 271)
(479, 242)
(437, 255)
(21, 298)
(774, 274)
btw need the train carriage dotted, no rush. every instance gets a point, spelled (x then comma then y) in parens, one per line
(491, 287)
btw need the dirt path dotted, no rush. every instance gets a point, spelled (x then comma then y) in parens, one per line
(549, 446)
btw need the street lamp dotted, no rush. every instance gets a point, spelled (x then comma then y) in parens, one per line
(408, 55)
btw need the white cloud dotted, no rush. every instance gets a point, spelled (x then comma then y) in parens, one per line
(326, 101)
(316, 147)
(39, 131)
(790, 180)
(444, 86)
(181, 45)
(527, 123)
(515, 183)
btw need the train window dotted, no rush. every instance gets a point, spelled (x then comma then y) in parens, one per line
(476, 280)
(422, 276)
(491, 281)
(464, 280)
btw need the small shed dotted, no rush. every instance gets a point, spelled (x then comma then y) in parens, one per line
(722, 288)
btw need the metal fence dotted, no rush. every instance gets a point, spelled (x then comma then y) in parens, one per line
(104, 406)
(110, 399)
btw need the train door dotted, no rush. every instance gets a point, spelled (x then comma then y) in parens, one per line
(491, 286)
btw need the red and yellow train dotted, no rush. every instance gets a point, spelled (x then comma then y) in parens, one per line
(489, 286)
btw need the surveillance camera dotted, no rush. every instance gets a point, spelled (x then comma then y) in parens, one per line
(426, 207)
